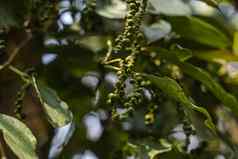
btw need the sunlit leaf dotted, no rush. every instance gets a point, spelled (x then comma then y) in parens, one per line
(195, 29)
(94, 43)
(116, 9)
(174, 91)
(203, 9)
(18, 137)
(213, 3)
(167, 147)
(217, 56)
(57, 110)
(170, 7)
(61, 138)
(235, 43)
(206, 79)
(157, 30)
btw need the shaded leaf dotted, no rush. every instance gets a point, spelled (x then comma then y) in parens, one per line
(57, 110)
(18, 137)
(94, 43)
(181, 53)
(175, 92)
(200, 31)
(206, 79)
(13, 12)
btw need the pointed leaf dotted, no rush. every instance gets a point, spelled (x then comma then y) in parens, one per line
(206, 79)
(181, 53)
(217, 56)
(174, 91)
(200, 31)
(57, 110)
(170, 7)
(18, 137)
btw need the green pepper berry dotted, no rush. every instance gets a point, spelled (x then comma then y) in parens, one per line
(109, 101)
(149, 118)
(127, 104)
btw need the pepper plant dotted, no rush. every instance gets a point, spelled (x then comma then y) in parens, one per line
(119, 79)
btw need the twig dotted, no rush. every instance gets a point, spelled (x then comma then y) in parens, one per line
(112, 61)
(25, 77)
(15, 51)
(109, 52)
(112, 67)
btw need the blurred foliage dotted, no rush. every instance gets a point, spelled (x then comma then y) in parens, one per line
(135, 79)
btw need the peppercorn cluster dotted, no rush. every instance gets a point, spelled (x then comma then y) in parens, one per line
(19, 101)
(2, 41)
(131, 40)
(131, 33)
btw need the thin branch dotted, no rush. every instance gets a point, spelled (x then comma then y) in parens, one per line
(109, 52)
(15, 51)
(113, 61)
(112, 67)
(25, 77)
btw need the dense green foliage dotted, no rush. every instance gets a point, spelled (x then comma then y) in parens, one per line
(119, 79)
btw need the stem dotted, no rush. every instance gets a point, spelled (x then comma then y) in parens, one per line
(15, 51)
(112, 67)
(25, 77)
(113, 61)
(109, 52)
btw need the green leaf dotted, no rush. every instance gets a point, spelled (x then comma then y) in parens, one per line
(18, 137)
(94, 43)
(195, 29)
(170, 7)
(235, 43)
(116, 9)
(206, 79)
(217, 56)
(157, 30)
(181, 53)
(57, 110)
(154, 152)
(175, 92)
(213, 3)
